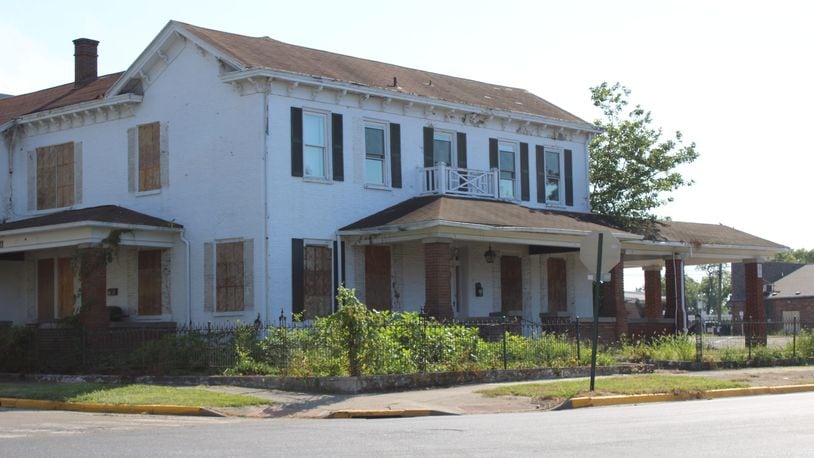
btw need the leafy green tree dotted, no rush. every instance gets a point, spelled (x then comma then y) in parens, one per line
(800, 256)
(715, 286)
(632, 169)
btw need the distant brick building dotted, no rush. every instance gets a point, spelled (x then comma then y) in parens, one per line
(772, 272)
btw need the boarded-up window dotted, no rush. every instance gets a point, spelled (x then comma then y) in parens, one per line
(55, 176)
(377, 277)
(511, 286)
(149, 157)
(229, 277)
(149, 282)
(45, 289)
(317, 281)
(65, 287)
(557, 296)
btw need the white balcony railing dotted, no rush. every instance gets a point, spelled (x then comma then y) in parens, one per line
(443, 179)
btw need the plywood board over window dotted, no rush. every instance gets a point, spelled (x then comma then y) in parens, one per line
(511, 285)
(229, 277)
(149, 157)
(557, 287)
(149, 282)
(55, 176)
(317, 281)
(377, 277)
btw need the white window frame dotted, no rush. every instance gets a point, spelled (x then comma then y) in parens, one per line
(516, 148)
(453, 147)
(326, 154)
(385, 127)
(560, 185)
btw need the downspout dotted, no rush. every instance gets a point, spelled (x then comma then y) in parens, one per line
(189, 277)
(10, 136)
(675, 294)
(266, 220)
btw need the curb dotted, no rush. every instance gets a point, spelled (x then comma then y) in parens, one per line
(384, 413)
(589, 401)
(106, 408)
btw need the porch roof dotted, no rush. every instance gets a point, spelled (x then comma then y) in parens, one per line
(86, 226)
(697, 243)
(490, 214)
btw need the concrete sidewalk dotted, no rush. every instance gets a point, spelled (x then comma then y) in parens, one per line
(465, 399)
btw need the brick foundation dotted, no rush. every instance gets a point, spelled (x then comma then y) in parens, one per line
(93, 278)
(653, 308)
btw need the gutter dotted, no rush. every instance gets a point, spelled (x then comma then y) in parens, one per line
(266, 216)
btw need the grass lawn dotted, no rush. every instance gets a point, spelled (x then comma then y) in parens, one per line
(126, 394)
(632, 384)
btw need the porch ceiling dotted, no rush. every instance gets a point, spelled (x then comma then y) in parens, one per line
(87, 226)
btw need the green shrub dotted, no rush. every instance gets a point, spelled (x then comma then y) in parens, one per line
(16, 346)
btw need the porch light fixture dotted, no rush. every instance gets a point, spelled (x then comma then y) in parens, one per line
(489, 255)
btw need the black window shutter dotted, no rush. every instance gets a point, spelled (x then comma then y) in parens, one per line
(493, 153)
(296, 142)
(428, 141)
(524, 171)
(338, 162)
(540, 164)
(297, 272)
(336, 274)
(461, 140)
(569, 178)
(395, 155)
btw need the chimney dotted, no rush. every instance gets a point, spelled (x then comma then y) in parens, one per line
(84, 61)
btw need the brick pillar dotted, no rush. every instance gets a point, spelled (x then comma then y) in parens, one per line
(674, 281)
(437, 292)
(653, 307)
(754, 313)
(618, 287)
(93, 278)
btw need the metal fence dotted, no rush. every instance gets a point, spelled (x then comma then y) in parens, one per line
(294, 348)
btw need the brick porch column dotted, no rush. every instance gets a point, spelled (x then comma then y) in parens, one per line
(93, 279)
(653, 307)
(674, 281)
(437, 300)
(754, 310)
(613, 299)
(618, 286)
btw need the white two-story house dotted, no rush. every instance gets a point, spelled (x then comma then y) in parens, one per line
(239, 177)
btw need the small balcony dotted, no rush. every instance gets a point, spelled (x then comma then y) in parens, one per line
(444, 179)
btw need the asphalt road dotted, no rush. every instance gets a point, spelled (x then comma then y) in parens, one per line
(778, 425)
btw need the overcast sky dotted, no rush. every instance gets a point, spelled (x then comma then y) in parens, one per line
(734, 77)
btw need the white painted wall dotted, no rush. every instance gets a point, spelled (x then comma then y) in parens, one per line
(217, 141)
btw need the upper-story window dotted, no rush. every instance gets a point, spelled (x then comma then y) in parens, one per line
(55, 176)
(553, 175)
(148, 157)
(315, 144)
(443, 144)
(376, 153)
(507, 154)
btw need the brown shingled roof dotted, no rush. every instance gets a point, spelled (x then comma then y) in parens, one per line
(102, 214)
(799, 283)
(263, 52)
(708, 234)
(55, 97)
(478, 211)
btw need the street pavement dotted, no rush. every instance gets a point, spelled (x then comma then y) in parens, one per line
(779, 425)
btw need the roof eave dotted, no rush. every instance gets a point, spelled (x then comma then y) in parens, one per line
(343, 86)
(39, 116)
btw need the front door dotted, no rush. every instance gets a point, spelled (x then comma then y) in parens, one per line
(511, 286)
